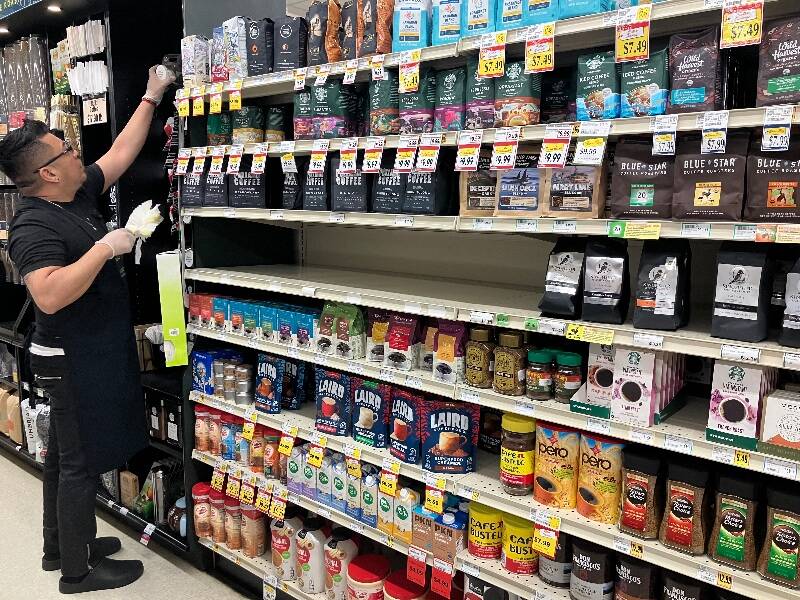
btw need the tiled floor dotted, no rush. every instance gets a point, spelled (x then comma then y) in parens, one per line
(165, 577)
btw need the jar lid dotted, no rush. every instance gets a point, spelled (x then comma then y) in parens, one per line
(510, 339)
(215, 495)
(200, 489)
(199, 409)
(518, 423)
(486, 511)
(368, 568)
(510, 520)
(569, 359)
(180, 502)
(731, 485)
(480, 334)
(448, 518)
(644, 461)
(399, 587)
(231, 502)
(544, 357)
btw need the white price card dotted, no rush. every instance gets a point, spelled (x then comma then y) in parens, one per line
(484, 318)
(565, 226)
(742, 23)
(642, 436)
(376, 64)
(388, 375)
(780, 468)
(715, 132)
(550, 327)
(428, 152)
(467, 395)
(259, 159)
(404, 221)
(744, 232)
(268, 592)
(336, 217)
(648, 340)
(409, 71)
(504, 149)
(601, 426)
(300, 78)
(589, 151)
(373, 154)
(347, 155)
(437, 311)
(723, 454)
(350, 69)
(540, 48)
(739, 353)
(492, 56)
(406, 152)
(529, 225)
(319, 156)
(678, 444)
(791, 360)
(525, 407)
(322, 74)
(555, 146)
(217, 158)
(696, 231)
(286, 150)
(777, 128)
(664, 128)
(234, 158)
(470, 569)
(469, 147)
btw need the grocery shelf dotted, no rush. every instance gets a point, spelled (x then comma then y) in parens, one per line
(9, 336)
(20, 451)
(167, 449)
(9, 383)
(492, 572)
(140, 525)
(509, 307)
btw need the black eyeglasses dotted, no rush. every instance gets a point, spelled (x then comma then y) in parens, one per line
(67, 149)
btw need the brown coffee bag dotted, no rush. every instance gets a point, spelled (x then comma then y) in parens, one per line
(477, 189)
(574, 192)
(641, 184)
(773, 184)
(779, 64)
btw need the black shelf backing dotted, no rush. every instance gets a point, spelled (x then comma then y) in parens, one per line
(167, 448)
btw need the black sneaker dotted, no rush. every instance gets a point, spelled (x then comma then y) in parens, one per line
(99, 548)
(109, 574)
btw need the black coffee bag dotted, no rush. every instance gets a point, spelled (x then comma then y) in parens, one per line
(192, 186)
(260, 46)
(661, 298)
(429, 193)
(216, 189)
(348, 36)
(773, 184)
(246, 189)
(558, 96)
(350, 192)
(315, 190)
(695, 72)
(606, 282)
(389, 188)
(641, 183)
(742, 293)
(564, 279)
(291, 35)
(292, 191)
(790, 326)
(303, 115)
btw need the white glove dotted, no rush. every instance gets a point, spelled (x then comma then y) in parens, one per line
(156, 86)
(120, 241)
(144, 219)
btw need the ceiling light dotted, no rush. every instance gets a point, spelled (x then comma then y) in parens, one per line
(3, 29)
(54, 8)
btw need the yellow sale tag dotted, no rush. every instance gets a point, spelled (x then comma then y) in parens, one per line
(492, 57)
(235, 100)
(183, 107)
(545, 541)
(198, 106)
(434, 500)
(388, 483)
(741, 458)
(247, 493)
(277, 508)
(232, 488)
(724, 580)
(574, 332)
(636, 550)
(742, 23)
(409, 72)
(215, 104)
(597, 335)
(353, 467)
(263, 500)
(642, 231)
(315, 455)
(218, 480)
(633, 33)
(286, 444)
(248, 429)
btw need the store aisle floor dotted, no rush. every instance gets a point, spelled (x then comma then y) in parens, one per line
(165, 575)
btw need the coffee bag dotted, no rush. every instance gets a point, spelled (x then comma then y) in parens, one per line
(219, 129)
(779, 64)
(260, 46)
(291, 36)
(352, 30)
(773, 184)
(662, 297)
(303, 115)
(448, 113)
(247, 190)
(558, 96)
(405, 425)
(477, 189)
(790, 326)
(417, 108)
(350, 192)
(248, 125)
(695, 72)
(384, 111)
(710, 186)
(292, 191)
(643, 85)
(428, 193)
(564, 280)
(576, 192)
(742, 293)
(606, 282)
(276, 123)
(216, 190)
(519, 189)
(449, 436)
(376, 23)
(389, 188)
(315, 190)
(517, 97)
(324, 18)
(191, 190)
(597, 89)
(333, 107)
(480, 98)
(641, 183)
(371, 403)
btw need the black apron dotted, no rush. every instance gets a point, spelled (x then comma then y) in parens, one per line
(97, 336)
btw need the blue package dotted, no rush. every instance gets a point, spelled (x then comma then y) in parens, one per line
(446, 22)
(222, 313)
(293, 393)
(477, 17)
(237, 309)
(287, 326)
(539, 11)
(269, 384)
(203, 368)
(510, 14)
(267, 321)
(643, 86)
(228, 431)
(370, 412)
(304, 320)
(597, 87)
(251, 319)
(578, 8)
(332, 396)
(411, 27)
(404, 424)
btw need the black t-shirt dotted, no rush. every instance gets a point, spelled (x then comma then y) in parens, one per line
(36, 238)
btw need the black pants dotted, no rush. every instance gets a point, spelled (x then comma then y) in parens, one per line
(69, 489)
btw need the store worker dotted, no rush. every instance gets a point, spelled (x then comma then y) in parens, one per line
(82, 349)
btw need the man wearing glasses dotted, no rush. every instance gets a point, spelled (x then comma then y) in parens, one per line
(82, 349)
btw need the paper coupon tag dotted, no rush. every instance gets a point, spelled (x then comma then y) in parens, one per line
(199, 164)
(434, 500)
(218, 477)
(376, 64)
(715, 132)
(545, 541)
(288, 165)
(235, 159)
(634, 230)
(319, 154)
(777, 128)
(504, 149)
(469, 145)
(259, 159)
(632, 39)
(416, 567)
(373, 154)
(235, 100)
(409, 71)
(217, 158)
(147, 533)
(347, 155)
(428, 152)
(248, 429)
(740, 353)
(540, 48)
(300, 78)
(555, 146)
(742, 23)
(322, 73)
(589, 151)
(268, 592)
(406, 152)
(492, 57)
(350, 69)
(247, 491)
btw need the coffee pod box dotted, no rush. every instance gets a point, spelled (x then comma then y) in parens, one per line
(634, 392)
(599, 383)
(333, 402)
(780, 427)
(734, 410)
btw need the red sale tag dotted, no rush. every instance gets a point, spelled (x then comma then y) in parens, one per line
(416, 567)
(441, 577)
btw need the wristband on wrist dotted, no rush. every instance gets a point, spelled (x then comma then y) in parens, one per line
(150, 100)
(110, 247)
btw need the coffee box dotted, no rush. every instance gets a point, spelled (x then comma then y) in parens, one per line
(332, 396)
(267, 322)
(633, 399)
(307, 322)
(269, 384)
(780, 427)
(291, 35)
(370, 412)
(599, 382)
(203, 369)
(294, 384)
(235, 37)
(221, 310)
(422, 527)
(369, 495)
(449, 436)
(286, 326)
(216, 189)
(405, 425)
(260, 42)
(449, 535)
(237, 316)
(353, 497)
(401, 350)
(219, 71)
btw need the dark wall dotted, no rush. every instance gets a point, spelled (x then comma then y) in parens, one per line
(201, 16)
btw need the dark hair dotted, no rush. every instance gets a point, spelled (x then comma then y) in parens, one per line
(22, 150)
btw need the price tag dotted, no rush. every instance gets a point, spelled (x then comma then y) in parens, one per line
(777, 128)
(347, 155)
(268, 592)
(530, 225)
(492, 57)
(387, 375)
(434, 499)
(388, 482)
(215, 103)
(744, 233)
(264, 498)
(428, 152)
(406, 151)
(183, 107)
(259, 159)
(555, 146)
(277, 508)
(442, 577)
(350, 69)
(641, 436)
(404, 221)
(635, 230)
(632, 34)
(336, 217)
(504, 149)
(470, 569)
(467, 395)
(373, 153)
(148, 531)
(199, 164)
(184, 154)
(678, 444)
(235, 159)
(416, 567)
(540, 48)
(484, 318)
(549, 327)
(739, 353)
(322, 74)
(469, 145)
(742, 23)
(722, 454)
(696, 231)
(409, 71)
(648, 340)
(287, 441)
(545, 541)
(234, 483)
(247, 491)
(715, 132)
(235, 98)
(376, 64)
(601, 426)
(663, 144)
(353, 467)
(780, 468)
(791, 360)
(319, 154)
(286, 150)
(217, 158)
(198, 106)
(300, 78)
(218, 477)
(525, 407)
(590, 151)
